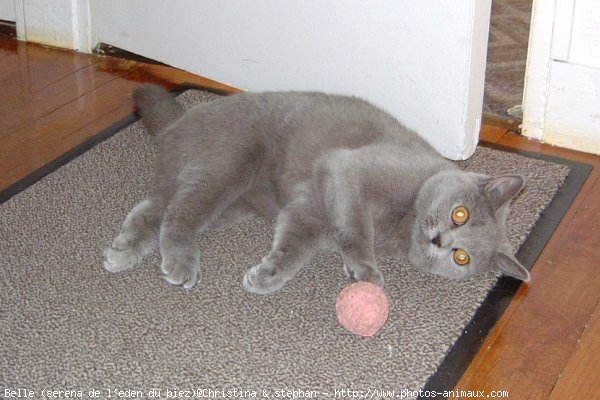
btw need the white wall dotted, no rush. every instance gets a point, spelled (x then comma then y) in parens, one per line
(59, 23)
(423, 61)
(7, 10)
(562, 86)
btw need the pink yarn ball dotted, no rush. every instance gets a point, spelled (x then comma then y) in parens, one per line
(362, 308)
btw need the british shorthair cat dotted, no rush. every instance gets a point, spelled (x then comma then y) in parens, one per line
(334, 171)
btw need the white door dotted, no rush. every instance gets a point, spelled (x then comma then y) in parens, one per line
(423, 61)
(562, 85)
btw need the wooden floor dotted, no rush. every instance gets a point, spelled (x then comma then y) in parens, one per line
(545, 346)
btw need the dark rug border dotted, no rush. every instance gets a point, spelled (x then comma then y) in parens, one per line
(460, 355)
(468, 344)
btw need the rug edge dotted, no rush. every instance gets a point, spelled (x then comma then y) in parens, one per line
(105, 134)
(460, 355)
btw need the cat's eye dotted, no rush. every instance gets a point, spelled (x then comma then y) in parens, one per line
(460, 215)
(461, 257)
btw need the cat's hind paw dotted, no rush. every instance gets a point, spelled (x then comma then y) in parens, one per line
(181, 270)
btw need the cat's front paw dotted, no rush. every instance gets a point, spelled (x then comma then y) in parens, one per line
(375, 277)
(182, 270)
(261, 279)
(121, 255)
(364, 273)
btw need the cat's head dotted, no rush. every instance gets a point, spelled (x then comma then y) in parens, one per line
(460, 225)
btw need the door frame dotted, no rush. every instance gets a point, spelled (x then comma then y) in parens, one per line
(537, 71)
(559, 93)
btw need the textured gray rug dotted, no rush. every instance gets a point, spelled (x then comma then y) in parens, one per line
(507, 55)
(67, 324)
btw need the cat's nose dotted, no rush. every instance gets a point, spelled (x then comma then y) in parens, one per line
(437, 240)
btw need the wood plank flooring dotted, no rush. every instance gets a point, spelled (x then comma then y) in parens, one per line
(53, 100)
(546, 344)
(543, 331)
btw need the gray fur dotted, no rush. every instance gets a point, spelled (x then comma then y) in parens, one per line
(334, 171)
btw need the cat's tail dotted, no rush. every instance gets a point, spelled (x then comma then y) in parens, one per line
(157, 107)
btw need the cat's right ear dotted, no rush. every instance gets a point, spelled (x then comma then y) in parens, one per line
(501, 189)
(510, 266)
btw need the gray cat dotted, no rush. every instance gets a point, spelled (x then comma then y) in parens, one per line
(335, 172)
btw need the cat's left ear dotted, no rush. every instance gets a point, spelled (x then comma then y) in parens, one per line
(500, 189)
(508, 265)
